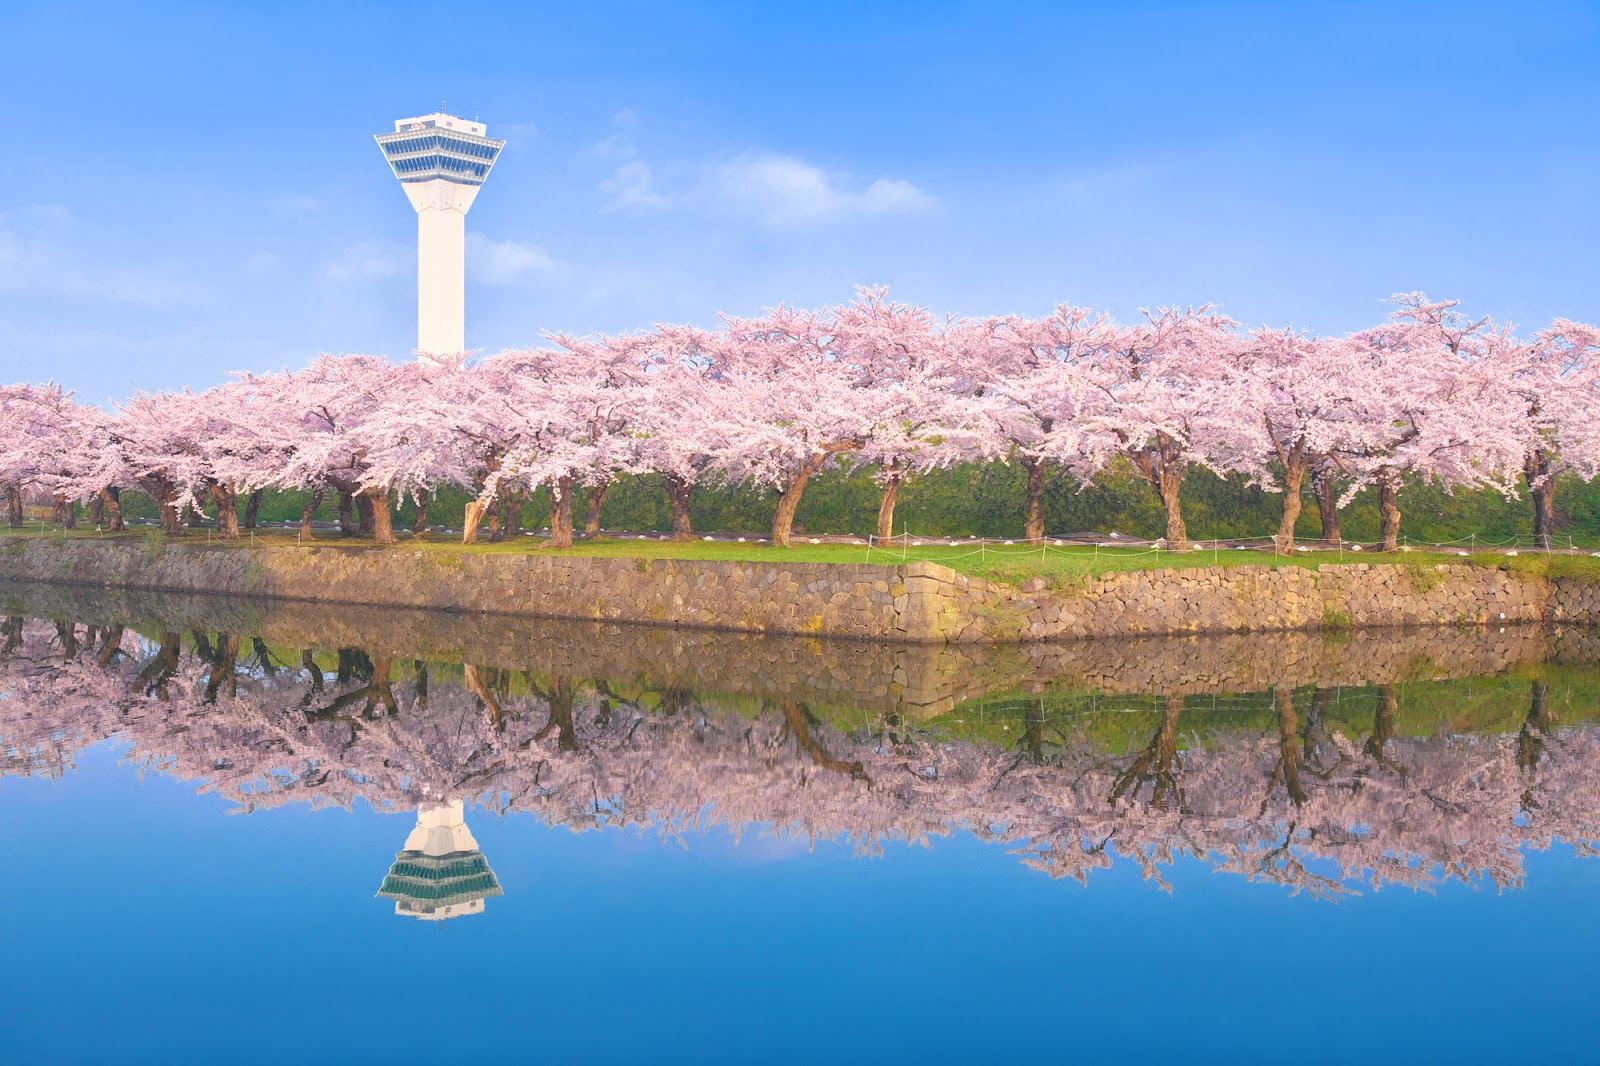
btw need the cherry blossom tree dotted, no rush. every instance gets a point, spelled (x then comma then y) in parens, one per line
(931, 415)
(1441, 410)
(792, 404)
(1036, 383)
(621, 362)
(1304, 397)
(563, 427)
(1557, 379)
(41, 432)
(332, 418)
(1162, 400)
(679, 418)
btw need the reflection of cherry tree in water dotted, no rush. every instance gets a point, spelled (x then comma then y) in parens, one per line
(1300, 805)
(1155, 766)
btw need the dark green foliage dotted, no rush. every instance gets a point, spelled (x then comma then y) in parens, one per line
(987, 501)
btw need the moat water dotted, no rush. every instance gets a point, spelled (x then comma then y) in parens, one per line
(265, 832)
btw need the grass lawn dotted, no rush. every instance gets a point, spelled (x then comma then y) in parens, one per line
(996, 562)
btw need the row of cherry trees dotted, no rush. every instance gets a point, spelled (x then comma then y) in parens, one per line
(771, 401)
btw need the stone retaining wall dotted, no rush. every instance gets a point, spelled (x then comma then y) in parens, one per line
(918, 680)
(920, 602)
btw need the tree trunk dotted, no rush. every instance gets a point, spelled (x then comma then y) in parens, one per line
(789, 502)
(678, 492)
(165, 498)
(473, 518)
(1544, 514)
(1289, 746)
(222, 674)
(891, 493)
(252, 508)
(511, 513)
(1327, 505)
(110, 646)
(420, 689)
(1540, 713)
(594, 499)
(1383, 722)
(12, 629)
(1033, 507)
(419, 524)
(479, 681)
(110, 500)
(14, 515)
(1542, 487)
(561, 515)
(227, 502)
(1293, 477)
(1171, 481)
(1157, 765)
(346, 519)
(306, 532)
(374, 504)
(497, 526)
(64, 510)
(366, 514)
(798, 717)
(97, 510)
(561, 713)
(194, 517)
(1388, 511)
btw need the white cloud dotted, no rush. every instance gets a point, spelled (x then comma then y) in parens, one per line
(892, 194)
(632, 190)
(495, 262)
(777, 189)
(616, 146)
(369, 261)
(781, 190)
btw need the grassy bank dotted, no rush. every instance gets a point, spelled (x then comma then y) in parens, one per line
(996, 562)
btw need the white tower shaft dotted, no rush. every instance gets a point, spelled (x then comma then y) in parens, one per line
(441, 161)
(441, 263)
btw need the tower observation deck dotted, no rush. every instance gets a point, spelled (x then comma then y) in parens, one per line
(441, 874)
(441, 161)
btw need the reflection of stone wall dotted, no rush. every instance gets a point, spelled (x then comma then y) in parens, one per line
(917, 680)
(912, 602)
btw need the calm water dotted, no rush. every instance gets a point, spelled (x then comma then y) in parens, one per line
(254, 832)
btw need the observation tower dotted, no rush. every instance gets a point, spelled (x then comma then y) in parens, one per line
(441, 874)
(441, 161)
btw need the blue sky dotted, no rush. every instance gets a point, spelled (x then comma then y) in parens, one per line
(194, 189)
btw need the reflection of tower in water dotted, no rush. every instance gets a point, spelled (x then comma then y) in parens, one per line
(441, 873)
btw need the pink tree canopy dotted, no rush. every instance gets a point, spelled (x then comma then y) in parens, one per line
(773, 400)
